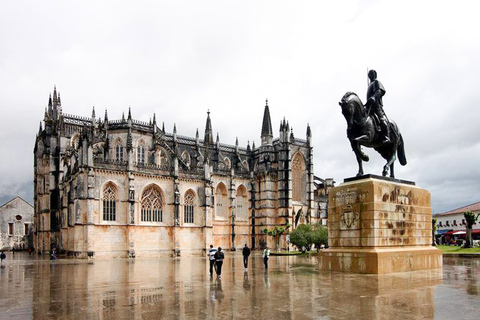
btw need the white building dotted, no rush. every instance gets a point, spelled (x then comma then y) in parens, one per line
(453, 222)
(16, 221)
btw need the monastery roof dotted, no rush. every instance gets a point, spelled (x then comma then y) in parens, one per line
(17, 197)
(471, 207)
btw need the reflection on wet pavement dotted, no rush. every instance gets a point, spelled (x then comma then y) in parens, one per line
(173, 288)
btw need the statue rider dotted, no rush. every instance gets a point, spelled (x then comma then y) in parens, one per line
(375, 92)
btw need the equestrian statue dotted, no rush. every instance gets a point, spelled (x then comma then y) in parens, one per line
(369, 126)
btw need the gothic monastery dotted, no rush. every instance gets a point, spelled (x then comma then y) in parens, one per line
(126, 188)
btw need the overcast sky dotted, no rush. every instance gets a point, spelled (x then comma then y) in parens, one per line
(179, 59)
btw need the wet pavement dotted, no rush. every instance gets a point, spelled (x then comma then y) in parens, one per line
(32, 287)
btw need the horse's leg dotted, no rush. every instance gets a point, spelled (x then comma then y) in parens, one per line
(389, 164)
(392, 172)
(358, 154)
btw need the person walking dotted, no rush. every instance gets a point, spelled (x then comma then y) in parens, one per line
(2, 258)
(211, 256)
(219, 256)
(54, 255)
(266, 256)
(245, 252)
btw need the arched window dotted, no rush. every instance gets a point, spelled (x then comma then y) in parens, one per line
(75, 140)
(299, 178)
(109, 202)
(119, 150)
(189, 207)
(242, 203)
(152, 203)
(228, 164)
(221, 202)
(141, 153)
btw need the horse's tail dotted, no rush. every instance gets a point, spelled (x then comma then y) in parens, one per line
(401, 150)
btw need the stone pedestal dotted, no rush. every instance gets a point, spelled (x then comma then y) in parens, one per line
(379, 225)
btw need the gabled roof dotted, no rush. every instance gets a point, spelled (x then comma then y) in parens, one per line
(17, 197)
(471, 207)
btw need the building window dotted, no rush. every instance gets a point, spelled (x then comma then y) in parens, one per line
(188, 207)
(10, 229)
(448, 223)
(221, 201)
(109, 203)
(27, 228)
(119, 151)
(141, 153)
(454, 222)
(242, 204)
(152, 202)
(299, 181)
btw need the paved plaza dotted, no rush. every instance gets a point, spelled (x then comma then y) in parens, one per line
(180, 288)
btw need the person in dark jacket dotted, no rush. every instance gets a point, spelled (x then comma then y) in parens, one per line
(211, 257)
(246, 253)
(2, 258)
(219, 256)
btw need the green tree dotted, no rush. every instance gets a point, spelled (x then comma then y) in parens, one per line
(320, 235)
(470, 219)
(302, 237)
(276, 233)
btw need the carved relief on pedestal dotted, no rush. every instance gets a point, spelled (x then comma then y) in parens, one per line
(349, 219)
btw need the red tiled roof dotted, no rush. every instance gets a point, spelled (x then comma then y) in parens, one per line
(471, 207)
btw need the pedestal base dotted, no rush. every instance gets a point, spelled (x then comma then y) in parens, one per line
(380, 260)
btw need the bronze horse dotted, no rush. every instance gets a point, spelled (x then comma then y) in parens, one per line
(361, 131)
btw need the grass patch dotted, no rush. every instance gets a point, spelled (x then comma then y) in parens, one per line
(455, 249)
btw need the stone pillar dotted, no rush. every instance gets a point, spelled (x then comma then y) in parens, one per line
(379, 225)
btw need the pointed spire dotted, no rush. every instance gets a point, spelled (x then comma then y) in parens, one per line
(50, 104)
(174, 128)
(208, 130)
(106, 116)
(309, 134)
(93, 112)
(253, 145)
(129, 114)
(123, 117)
(55, 100)
(292, 137)
(218, 138)
(59, 102)
(248, 146)
(267, 123)
(267, 132)
(154, 120)
(236, 142)
(163, 127)
(40, 128)
(197, 137)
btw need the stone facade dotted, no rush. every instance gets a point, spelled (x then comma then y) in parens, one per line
(16, 224)
(126, 187)
(378, 225)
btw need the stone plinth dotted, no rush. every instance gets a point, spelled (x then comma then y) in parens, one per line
(379, 225)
